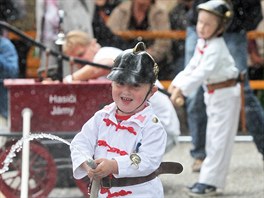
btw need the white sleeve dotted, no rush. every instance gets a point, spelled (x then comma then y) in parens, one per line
(107, 53)
(193, 76)
(82, 147)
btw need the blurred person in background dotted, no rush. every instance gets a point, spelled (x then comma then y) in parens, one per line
(77, 14)
(10, 10)
(144, 15)
(79, 44)
(255, 61)
(178, 21)
(256, 54)
(8, 69)
(104, 36)
(213, 67)
(247, 15)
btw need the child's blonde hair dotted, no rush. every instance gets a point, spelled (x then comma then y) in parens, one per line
(76, 38)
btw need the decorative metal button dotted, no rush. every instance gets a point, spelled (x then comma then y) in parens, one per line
(155, 120)
(135, 160)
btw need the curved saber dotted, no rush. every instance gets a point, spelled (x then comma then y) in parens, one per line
(95, 183)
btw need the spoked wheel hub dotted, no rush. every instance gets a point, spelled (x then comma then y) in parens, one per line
(42, 172)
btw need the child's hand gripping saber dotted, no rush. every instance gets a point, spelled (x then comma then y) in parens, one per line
(177, 99)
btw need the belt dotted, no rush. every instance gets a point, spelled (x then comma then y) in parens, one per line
(224, 84)
(164, 168)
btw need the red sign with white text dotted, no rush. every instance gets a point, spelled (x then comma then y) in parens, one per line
(56, 107)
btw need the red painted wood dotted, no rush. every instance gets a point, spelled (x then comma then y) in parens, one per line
(56, 107)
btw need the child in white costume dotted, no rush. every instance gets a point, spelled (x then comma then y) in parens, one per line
(80, 45)
(213, 66)
(124, 131)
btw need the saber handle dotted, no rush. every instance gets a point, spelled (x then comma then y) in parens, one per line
(164, 92)
(95, 183)
(91, 163)
(95, 189)
(178, 102)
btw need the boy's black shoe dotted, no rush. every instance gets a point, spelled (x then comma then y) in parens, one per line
(187, 189)
(202, 190)
(191, 187)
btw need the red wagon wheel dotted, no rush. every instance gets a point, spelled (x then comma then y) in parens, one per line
(42, 172)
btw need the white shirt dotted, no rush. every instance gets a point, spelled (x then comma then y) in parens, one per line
(103, 137)
(106, 53)
(166, 112)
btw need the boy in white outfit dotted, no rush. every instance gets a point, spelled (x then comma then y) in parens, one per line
(126, 138)
(213, 66)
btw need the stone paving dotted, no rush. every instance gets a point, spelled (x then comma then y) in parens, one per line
(245, 178)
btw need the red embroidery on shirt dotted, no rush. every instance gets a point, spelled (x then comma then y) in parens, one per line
(211, 92)
(118, 126)
(141, 118)
(111, 149)
(201, 51)
(115, 194)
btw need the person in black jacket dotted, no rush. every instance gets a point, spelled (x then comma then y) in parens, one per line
(104, 36)
(247, 15)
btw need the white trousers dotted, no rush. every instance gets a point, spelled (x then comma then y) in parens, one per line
(223, 108)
